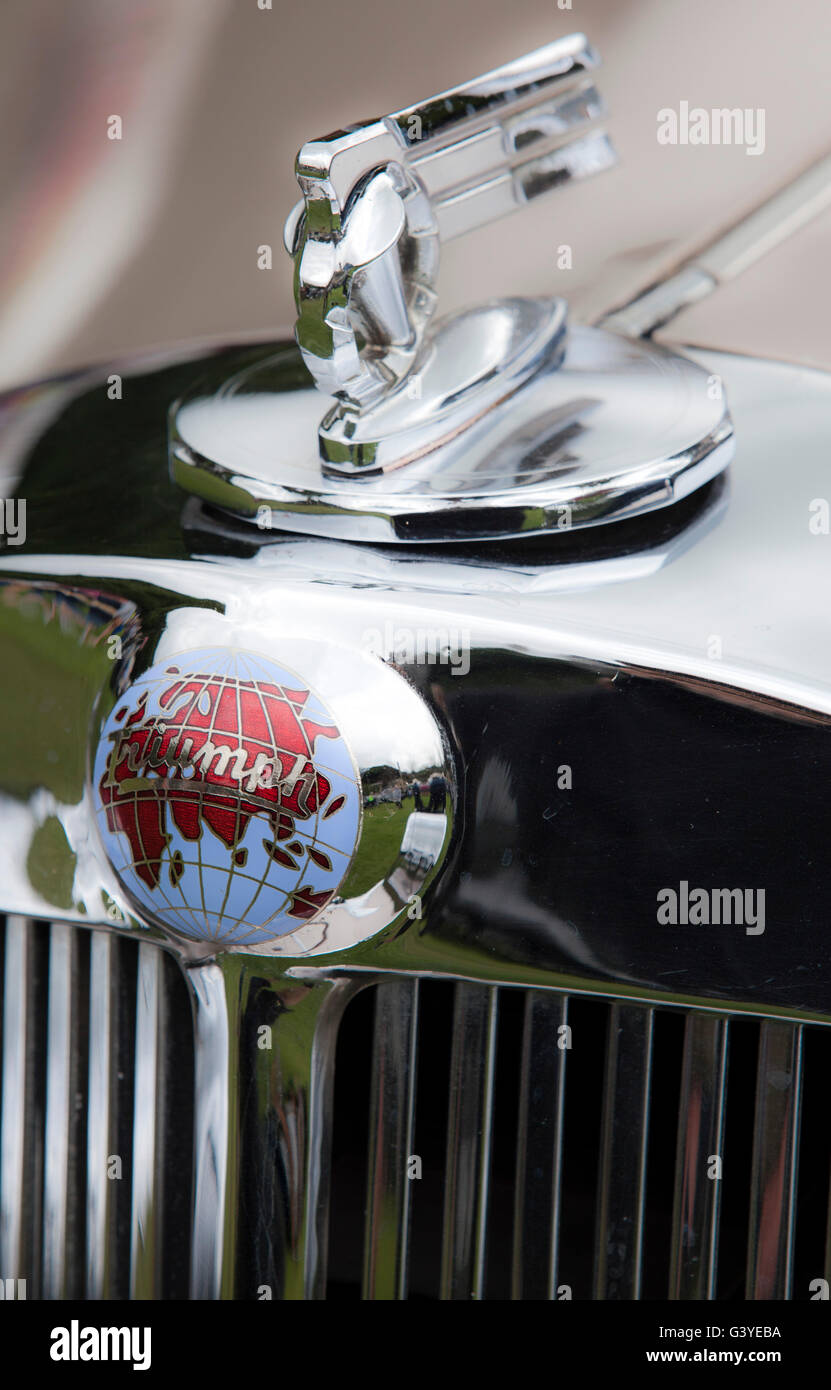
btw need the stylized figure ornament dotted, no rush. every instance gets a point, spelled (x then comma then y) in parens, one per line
(378, 200)
(500, 421)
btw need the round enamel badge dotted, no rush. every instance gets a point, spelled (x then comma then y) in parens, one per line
(228, 801)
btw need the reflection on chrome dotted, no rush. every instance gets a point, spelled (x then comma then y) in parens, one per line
(423, 839)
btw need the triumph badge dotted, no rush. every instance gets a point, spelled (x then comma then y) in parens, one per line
(227, 798)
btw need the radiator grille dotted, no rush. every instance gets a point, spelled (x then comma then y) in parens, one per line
(96, 1100)
(575, 1164)
(487, 1142)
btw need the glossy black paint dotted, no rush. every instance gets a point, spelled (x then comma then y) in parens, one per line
(668, 784)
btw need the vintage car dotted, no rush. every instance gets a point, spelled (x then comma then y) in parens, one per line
(414, 739)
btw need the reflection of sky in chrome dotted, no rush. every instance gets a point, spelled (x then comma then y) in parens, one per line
(405, 746)
(368, 715)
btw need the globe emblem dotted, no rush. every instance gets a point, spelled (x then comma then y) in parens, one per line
(226, 797)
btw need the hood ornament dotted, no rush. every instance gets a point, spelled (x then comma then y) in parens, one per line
(495, 422)
(378, 201)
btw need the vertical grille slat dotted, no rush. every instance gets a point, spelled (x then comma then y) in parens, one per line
(102, 1121)
(539, 1147)
(469, 1141)
(392, 1115)
(16, 1097)
(775, 1160)
(145, 1211)
(622, 1187)
(211, 1129)
(695, 1223)
(62, 1184)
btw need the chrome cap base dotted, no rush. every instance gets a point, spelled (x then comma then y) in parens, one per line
(600, 429)
(470, 364)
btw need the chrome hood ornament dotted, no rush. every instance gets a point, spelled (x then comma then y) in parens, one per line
(496, 422)
(377, 202)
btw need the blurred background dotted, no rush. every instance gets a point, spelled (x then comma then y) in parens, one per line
(108, 246)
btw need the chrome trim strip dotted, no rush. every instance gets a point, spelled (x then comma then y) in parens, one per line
(469, 1141)
(728, 255)
(392, 1119)
(61, 1110)
(539, 1147)
(144, 1216)
(13, 1102)
(775, 1162)
(658, 305)
(623, 1152)
(695, 1221)
(101, 1112)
